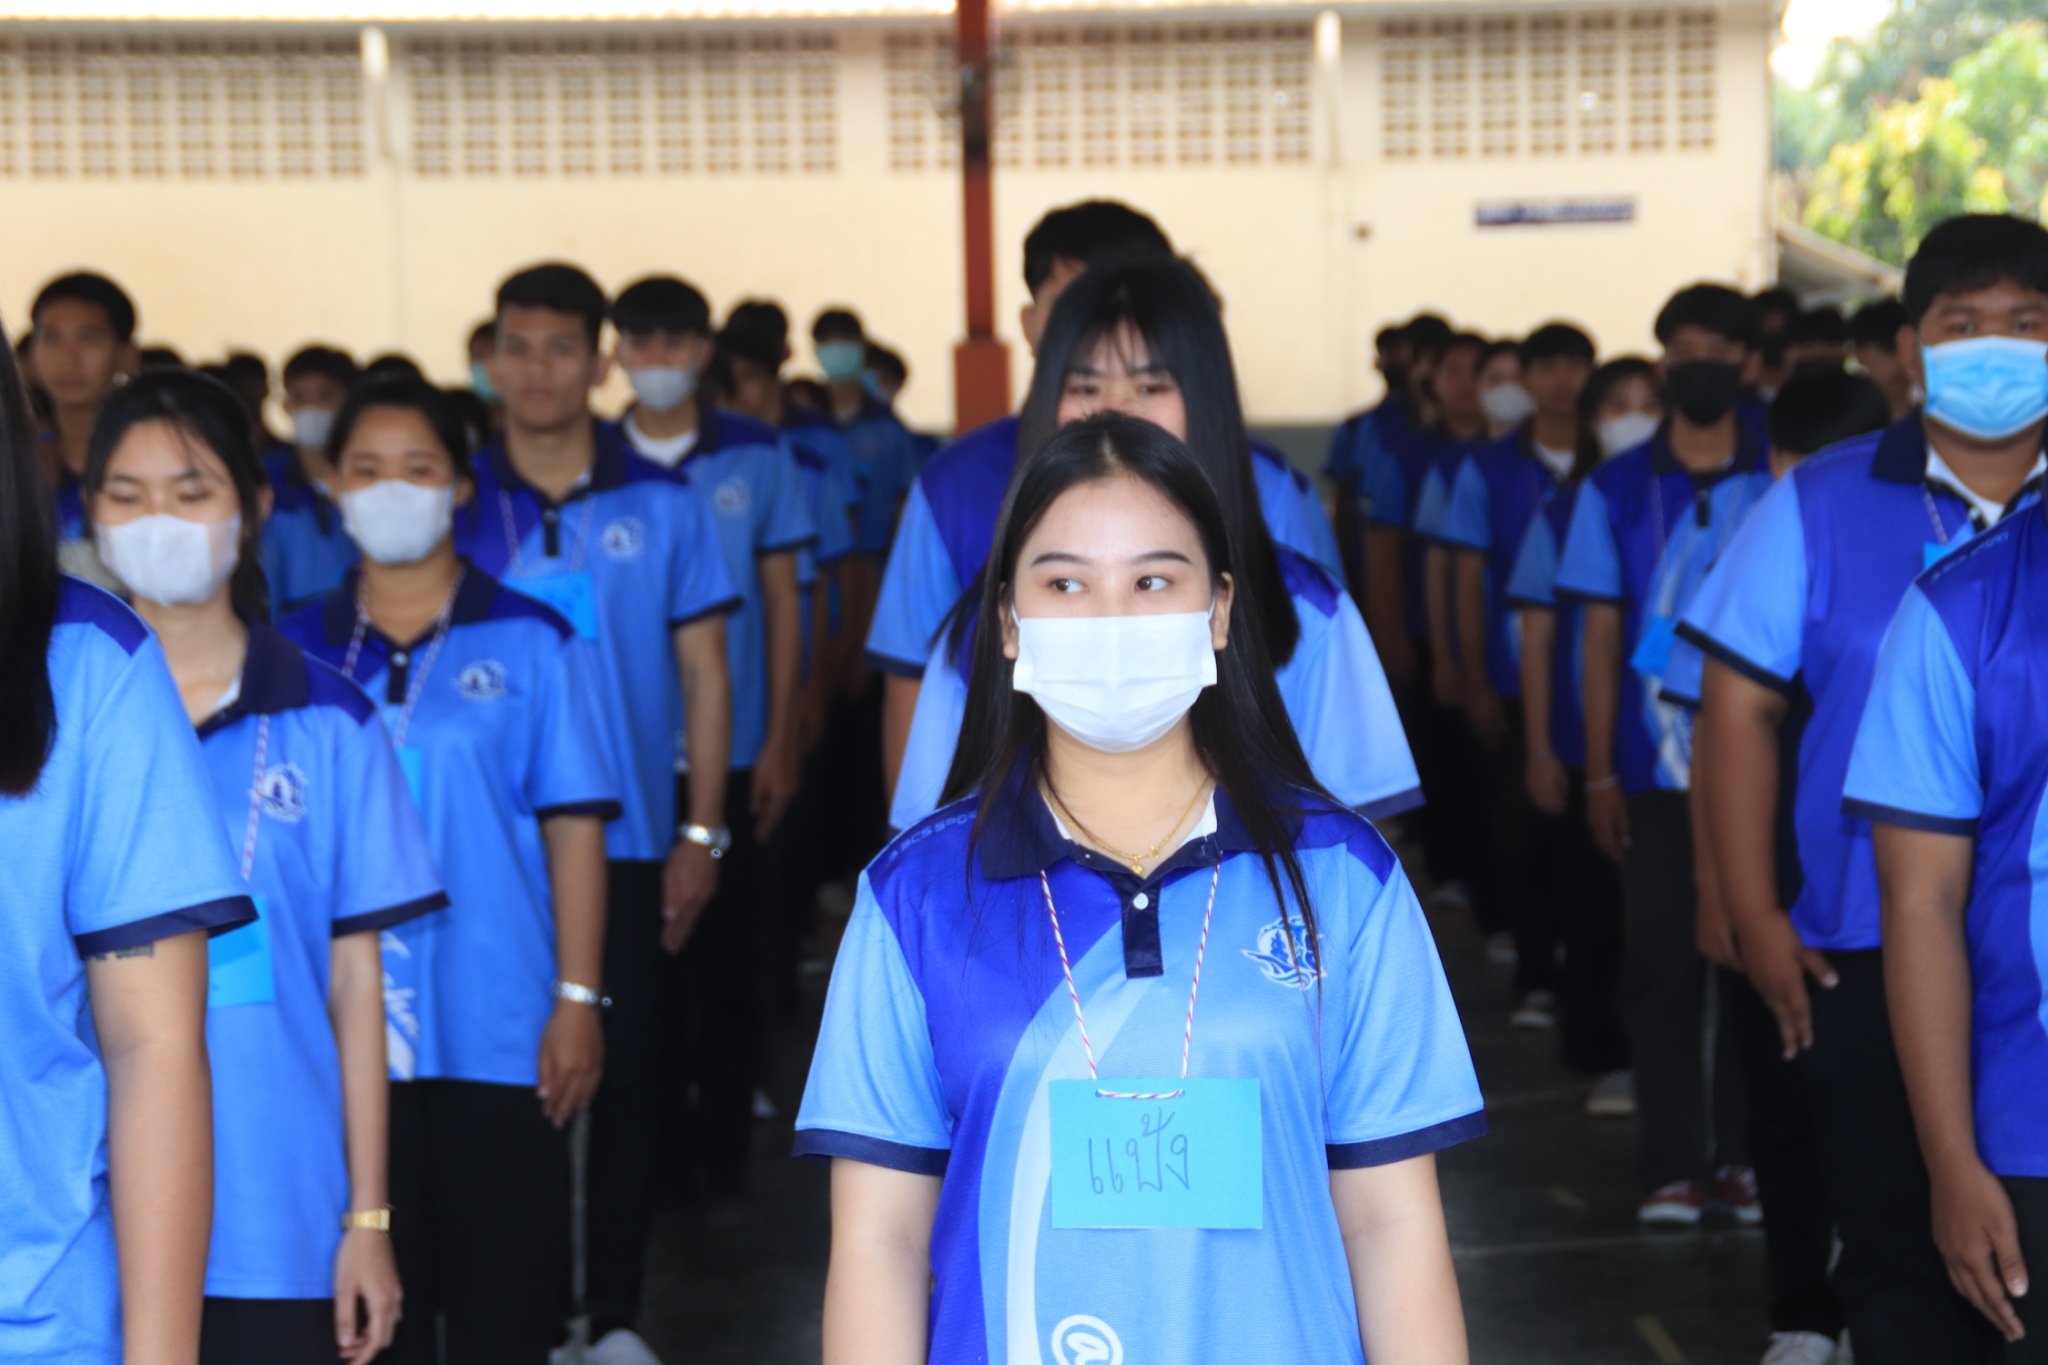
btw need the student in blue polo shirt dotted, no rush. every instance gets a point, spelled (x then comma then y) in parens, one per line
(1160, 818)
(630, 554)
(305, 548)
(1951, 769)
(332, 850)
(886, 457)
(1144, 337)
(117, 872)
(1390, 467)
(1646, 527)
(1344, 463)
(83, 339)
(492, 1004)
(1791, 623)
(1497, 492)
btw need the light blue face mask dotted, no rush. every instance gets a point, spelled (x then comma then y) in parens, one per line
(1987, 387)
(480, 382)
(842, 360)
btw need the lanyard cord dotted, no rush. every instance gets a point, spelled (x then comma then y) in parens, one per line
(255, 797)
(1934, 515)
(512, 534)
(1187, 1038)
(442, 620)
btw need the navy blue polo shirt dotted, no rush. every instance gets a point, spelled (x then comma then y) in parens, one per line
(304, 550)
(1799, 604)
(1495, 497)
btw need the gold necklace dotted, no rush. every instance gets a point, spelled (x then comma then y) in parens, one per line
(1135, 861)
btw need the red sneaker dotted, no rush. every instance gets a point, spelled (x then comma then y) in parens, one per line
(1676, 1204)
(1735, 1190)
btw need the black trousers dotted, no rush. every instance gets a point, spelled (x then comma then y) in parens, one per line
(1690, 1110)
(2029, 1197)
(1453, 845)
(1894, 1289)
(1589, 924)
(1799, 1219)
(1520, 877)
(267, 1332)
(479, 1223)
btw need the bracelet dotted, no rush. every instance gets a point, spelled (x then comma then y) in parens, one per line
(368, 1220)
(582, 995)
(714, 840)
(1601, 784)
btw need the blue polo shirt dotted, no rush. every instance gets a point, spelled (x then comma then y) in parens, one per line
(338, 849)
(1394, 478)
(304, 550)
(949, 1016)
(630, 555)
(1534, 584)
(1496, 495)
(502, 737)
(118, 846)
(949, 523)
(1361, 441)
(1800, 604)
(744, 470)
(1952, 742)
(824, 469)
(1644, 532)
(1334, 689)
(887, 458)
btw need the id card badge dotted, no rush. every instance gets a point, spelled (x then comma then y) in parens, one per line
(1653, 651)
(1933, 552)
(572, 594)
(238, 967)
(414, 765)
(1191, 1162)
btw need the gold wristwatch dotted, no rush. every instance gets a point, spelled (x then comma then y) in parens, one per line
(369, 1220)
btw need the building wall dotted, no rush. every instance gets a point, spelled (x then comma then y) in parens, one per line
(253, 186)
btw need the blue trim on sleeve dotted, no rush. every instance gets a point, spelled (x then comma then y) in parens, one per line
(1599, 598)
(786, 547)
(1389, 806)
(1907, 819)
(216, 917)
(898, 668)
(606, 809)
(390, 915)
(823, 1144)
(724, 608)
(1720, 653)
(1351, 1156)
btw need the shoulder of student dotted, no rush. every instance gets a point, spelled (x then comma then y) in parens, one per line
(510, 604)
(1308, 582)
(79, 603)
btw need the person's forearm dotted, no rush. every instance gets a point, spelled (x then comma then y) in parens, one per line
(1735, 758)
(859, 582)
(1436, 606)
(783, 619)
(1602, 687)
(878, 1285)
(1468, 577)
(1925, 880)
(1392, 1222)
(355, 1009)
(576, 875)
(1384, 615)
(1539, 639)
(1707, 863)
(707, 716)
(899, 709)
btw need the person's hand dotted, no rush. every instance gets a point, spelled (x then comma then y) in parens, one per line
(1483, 712)
(1397, 657)
(367, 1296)
(1778, 965)
(776, 774)
(687, 885)
(1607, 815)
(810, 715)
(571, 1060)
(1714, 933)
(1980, 1243)
(1448, 684)
(1550, 786)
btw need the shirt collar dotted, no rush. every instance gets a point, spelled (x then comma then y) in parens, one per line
(1748, 458)
(475, 598)
(607, 465)
(273, 679)
(1983, 511)
(1020, 838)
(1902, 451)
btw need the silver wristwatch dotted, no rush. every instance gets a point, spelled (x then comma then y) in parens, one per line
(717, 840)
(581, 995)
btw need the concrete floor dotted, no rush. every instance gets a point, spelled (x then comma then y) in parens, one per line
(1550, 1259)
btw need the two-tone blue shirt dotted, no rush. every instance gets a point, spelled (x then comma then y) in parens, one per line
(1495, 497)
(1533, 583)
(315, 805)
(118, 846)
(1952, 743)
(886, 458)
(949, 1018)
(496, 731)
(304, 550)
(1393, 478)
(628, 556)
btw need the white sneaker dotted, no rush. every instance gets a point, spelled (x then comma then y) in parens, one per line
(1538, 1010)
(622, 1346)
(1613, 1096)
(1500, 949)
(1799, 1348)
(1450, 896)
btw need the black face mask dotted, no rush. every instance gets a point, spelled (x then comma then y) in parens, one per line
(1704, 390)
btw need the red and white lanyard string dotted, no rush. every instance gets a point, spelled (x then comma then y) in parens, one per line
(512, 534)
(255, 796)
(1187, 1037)
(426, 663)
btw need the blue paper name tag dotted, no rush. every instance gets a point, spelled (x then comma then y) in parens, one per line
(572, 594)
(414, 766)
(238, 969)
(1932, 553)
(1653, 651)
(1191, 1162)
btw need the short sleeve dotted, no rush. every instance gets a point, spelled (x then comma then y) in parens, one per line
(1340, 460)
(158, 861)
(1915, 760)
(400, 882)
(1431, 503)
(1337, 695)
(1534, 581)
(829, 515)
(569, 773)
(1590, 563)
(1468, 519)
(1382, 483)
(1401, 1081)
(1318, 535)
(786, 523)
(1750, 612)
(918, 588)
(698, 581)
(1683, 675)
(874, 1093)
(934, 735)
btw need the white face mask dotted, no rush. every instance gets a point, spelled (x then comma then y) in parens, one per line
(1506, 404)
(395, 522)
(662, 387)
(310, 427)
(171, 561)
(1625, 432)
(1116, 683)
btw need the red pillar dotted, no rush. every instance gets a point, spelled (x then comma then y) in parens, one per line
(981, 363)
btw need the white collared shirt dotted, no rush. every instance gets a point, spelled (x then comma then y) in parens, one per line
(1983, 511)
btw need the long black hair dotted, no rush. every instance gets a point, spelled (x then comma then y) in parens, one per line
(1241, 729)
(204, 410)
(28, 592)
(1170, 306)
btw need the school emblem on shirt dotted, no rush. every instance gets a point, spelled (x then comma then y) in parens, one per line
(732, 498)
(281, 791)
(483, 680)
(623, 539)
(1082, 1340)
(1295, 968)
